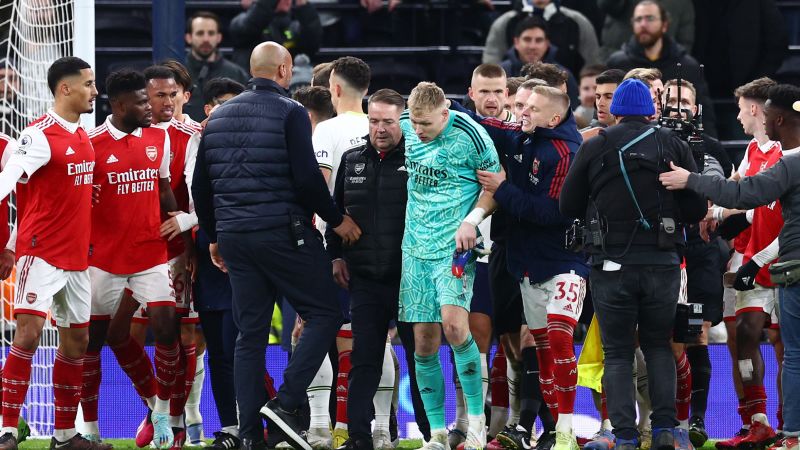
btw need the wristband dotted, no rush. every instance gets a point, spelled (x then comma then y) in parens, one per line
(186, 221)
(716, 213)
(475, 216)
(749, 215)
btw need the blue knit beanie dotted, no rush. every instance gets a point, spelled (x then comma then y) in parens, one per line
(632, 98)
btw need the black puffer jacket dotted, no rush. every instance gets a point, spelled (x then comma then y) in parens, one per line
(373, 192)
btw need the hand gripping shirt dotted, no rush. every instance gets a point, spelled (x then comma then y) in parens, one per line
(442, 183)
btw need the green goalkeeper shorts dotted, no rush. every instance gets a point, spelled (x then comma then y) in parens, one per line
(428, 284)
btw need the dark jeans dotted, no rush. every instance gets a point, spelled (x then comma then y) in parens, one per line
(406, 332)
(645, 296)
(263, 265)
(372, 306)
(790, 332)
(220, 332)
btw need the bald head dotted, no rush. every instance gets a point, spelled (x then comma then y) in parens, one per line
(272, 61)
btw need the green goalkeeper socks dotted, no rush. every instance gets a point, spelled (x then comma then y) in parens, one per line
(468, 367)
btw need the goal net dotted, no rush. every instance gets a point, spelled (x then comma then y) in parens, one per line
(33, 34)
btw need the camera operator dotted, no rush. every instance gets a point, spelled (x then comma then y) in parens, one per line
(634, 235)
(703, 259)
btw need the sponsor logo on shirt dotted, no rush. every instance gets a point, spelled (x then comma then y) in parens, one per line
(151, 152)
(69, 151)
(111, 159)
(360, 168)
(535, 166)
(426, 175)
(518, 158)
(31, 297)
(133, 180)
(402, 169)
(82, 172)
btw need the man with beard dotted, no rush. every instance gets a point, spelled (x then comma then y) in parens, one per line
(650, 46)
(204, 60)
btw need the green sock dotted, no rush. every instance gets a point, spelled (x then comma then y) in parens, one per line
(431, 388)
(468, 367)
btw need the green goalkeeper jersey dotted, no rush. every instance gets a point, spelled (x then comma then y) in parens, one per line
(442, 183)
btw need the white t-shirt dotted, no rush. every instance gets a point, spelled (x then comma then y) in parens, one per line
(335, 136)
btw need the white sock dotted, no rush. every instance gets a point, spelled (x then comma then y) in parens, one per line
(462, 422)
(485, 375)
(92, 428)
(476, 424)
(683, 424)
(396, 389)
(233, 430)
(12, 430)
(63, 435)
(564, 423)
(161, 406)
(383, 396)
(513, 369)
(192, 409)
(760, 417)
(606, 425)
(319, 395)
(176, 421)
(151, 402)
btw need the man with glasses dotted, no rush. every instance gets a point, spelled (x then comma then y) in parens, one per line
(651, 46)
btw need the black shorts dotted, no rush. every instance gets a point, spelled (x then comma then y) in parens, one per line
(481, 297)
(704, 279)
(506, 297)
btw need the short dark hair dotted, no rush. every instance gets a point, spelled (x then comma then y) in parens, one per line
(62, 68)
(182, 76)
(354, 71)
(757, 89)
(530, 23)
(661, 10)
(203, 15)
(217, 87)
(489, 70)
(389, 97)
(610, 76)
(592, 70)
(513, 84)
(550, 73)
(316, 99)
(124, 81)
(321, 74)
(158, 72)
(784, 96)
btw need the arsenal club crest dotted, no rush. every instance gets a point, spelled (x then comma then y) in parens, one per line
(151, 152)
(359, 168)
(535, 166)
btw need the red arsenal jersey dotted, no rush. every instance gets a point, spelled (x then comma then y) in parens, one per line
(179, 136)
(126, 219)
(757, 160)
(54, 201)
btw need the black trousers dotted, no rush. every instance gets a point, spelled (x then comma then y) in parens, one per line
(373, 304)
(645, 296)
(263, 265)
(220, 332)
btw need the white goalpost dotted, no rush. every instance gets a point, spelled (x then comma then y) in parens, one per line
(33, 34)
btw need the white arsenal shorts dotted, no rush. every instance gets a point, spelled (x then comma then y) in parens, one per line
(760, 299)
(148, 287)
(42, 288)
(560, 296)
(729, 294)
(181, 282)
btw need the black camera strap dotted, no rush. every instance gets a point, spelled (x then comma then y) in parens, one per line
(644, 223)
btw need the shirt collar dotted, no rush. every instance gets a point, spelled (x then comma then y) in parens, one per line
(67, 125)
(118, 134)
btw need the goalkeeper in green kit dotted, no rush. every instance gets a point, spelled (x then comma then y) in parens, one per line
(444, 149)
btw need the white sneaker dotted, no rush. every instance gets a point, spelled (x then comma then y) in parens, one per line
(381, 440)
(438, 441)
(320, 438)
(476, 437)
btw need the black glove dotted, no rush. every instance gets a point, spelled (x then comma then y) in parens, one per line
(746, 276)
(732, 226)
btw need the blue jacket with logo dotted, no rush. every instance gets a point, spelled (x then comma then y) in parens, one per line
(537, 165)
